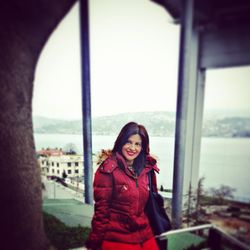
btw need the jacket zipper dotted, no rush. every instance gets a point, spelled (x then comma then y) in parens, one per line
(137, 185)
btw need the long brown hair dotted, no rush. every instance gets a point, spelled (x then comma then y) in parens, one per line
(133, 128)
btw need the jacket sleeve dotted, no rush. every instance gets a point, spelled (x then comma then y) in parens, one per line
(103, 186)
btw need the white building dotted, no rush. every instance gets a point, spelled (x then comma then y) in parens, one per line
(56, 163)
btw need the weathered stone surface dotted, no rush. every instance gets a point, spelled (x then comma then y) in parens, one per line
(25, 28)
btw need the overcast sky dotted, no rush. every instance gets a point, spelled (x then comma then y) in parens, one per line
(134, 60)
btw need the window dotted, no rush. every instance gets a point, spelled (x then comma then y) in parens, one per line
(76, 164)
(52, 163)
(57, 164)
(69, 164)
(76, 171)
(58, 171)
(53, 171)
(69, 171)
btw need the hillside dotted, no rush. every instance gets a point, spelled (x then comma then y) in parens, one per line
(157, 124)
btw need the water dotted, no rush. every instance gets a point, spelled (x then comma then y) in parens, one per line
(227, 161)
(223, 160)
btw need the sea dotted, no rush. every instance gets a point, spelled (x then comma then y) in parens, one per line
(223, 161)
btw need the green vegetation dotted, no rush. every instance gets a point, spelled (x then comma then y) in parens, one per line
(63, 237)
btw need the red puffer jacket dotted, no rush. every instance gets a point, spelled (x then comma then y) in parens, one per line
(120, 199)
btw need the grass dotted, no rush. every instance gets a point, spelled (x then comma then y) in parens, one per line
(64, 237)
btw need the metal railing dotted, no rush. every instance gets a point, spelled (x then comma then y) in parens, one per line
(215, 240)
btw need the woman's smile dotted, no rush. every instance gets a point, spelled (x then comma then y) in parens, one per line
(130, 153)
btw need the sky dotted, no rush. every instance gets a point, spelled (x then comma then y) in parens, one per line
(134, 49)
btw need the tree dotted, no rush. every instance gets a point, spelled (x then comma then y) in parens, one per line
(189, 204)
(70, 149)
(200, 195)
(222, 193)
(193, 202)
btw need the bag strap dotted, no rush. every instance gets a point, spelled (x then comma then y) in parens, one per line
(150, 181)
(151, 175)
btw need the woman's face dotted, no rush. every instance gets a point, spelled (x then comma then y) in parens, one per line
(132, 148)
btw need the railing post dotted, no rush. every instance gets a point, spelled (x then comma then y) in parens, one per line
(163, 243)
(214, 239)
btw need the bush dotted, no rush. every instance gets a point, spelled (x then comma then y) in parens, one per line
(63, 237)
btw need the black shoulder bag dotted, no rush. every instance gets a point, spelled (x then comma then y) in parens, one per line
(158, 218)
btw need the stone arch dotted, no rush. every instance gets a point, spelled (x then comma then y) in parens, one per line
(25, 28)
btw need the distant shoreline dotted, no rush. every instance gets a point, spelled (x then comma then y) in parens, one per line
(157, 124)
(168, 136)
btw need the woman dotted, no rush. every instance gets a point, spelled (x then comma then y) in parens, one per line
(121, 191)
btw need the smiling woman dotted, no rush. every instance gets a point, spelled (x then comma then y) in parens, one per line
(121, 191)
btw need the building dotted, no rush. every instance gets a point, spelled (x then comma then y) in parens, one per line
(54, 162)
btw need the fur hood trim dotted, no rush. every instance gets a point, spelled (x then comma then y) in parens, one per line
(103, 155)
